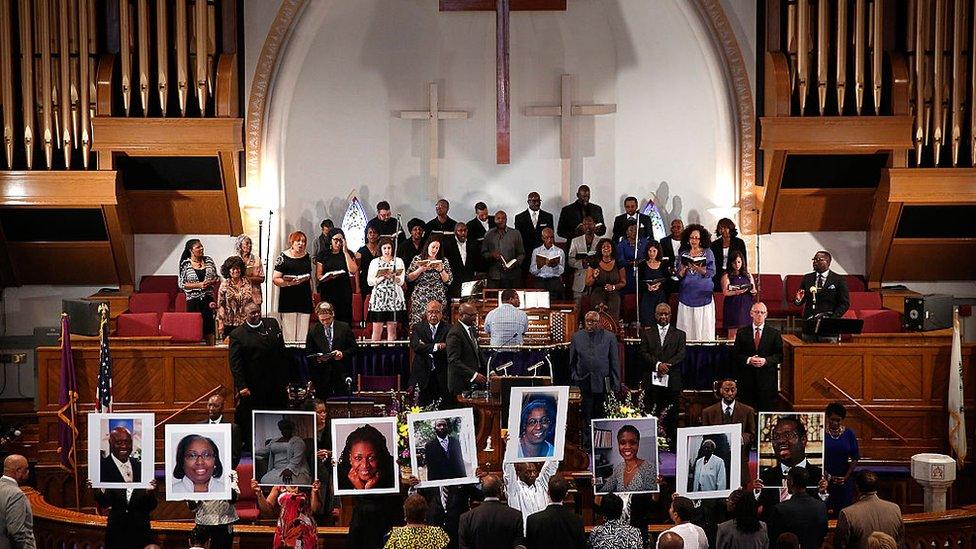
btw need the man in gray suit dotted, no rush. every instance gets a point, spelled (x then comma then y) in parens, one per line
(16, 519)
(867, 515)
(594, 362)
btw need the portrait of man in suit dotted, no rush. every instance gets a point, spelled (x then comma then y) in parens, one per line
(119, 465)
(443, 453)
(443, 447)
(790, 440)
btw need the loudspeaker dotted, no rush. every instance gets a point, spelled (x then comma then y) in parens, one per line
(929, 312)
(83, 317)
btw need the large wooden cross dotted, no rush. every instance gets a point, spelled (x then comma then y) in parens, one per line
(566, 110)
(502, 85)
(433, 115)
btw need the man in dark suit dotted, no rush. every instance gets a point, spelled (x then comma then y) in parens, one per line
(215, 416)
(491, 525)
(571, 216)
(789, 437)
(531, 222)
(441, 223)
(867, 515)
(464, 360)
(662, 349)
(428, 340)
(464, 255)
(802, 514)
(670, 246)
(644, 228)
(823, 292)
(331, 345)
(118, 465)
(729, 411)
(756, 356)
(480, 225)
(555, 526)
(443, 455)
(260, 367)
(128, 517)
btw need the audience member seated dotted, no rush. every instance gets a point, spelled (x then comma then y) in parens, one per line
(744, 530)
(867, 515)
(430, 274)
(606, 278)
(507, 324)
(254, 269)
(293, 274)
(682, 512)
(841, 454)
(802, 515)
(333, 267)
(739, 288)
(614, 533)
(726, 241)
(547, 264)
(197, 278)
(695, 269)
(387, 303)
(416, 533)
(630, 252)
(756, 356)
(557, 526)
(235, 292)
(880, 540)
(653, 274)
(582, 254)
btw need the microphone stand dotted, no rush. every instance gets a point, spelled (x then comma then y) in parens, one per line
(637, 282)
(261, 249)
(267, 265)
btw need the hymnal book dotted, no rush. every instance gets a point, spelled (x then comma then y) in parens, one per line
(586, 255)
(473, 288)
(652, 281)
(331, 274)
(429, 262)
(443, 233)
(541, 261)
(509, 262)
(736, 288)
(387, 270)
(534, 299)
(691, 260)
(325, 356)
(300, 278)
(393, 236)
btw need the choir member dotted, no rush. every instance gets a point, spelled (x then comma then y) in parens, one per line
(724, 244)
(197, 278)
(293, 274)
(571, 216)
(696, 308)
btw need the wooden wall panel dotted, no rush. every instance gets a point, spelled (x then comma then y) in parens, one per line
(802, 210)
(924, 259)
(62, 262)
(179, 212)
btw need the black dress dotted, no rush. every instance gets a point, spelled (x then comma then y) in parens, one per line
(298, 298)
(650, 300)
(337, 290)
(366, 257)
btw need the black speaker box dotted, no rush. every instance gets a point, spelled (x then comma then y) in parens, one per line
(928, 312)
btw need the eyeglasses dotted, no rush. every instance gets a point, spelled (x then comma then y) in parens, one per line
(790, 436)
(532, 422)
(326, 312)
(193, 456)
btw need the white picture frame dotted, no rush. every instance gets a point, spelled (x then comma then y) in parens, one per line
(605, 452)
(461, 422)
(141, 429)
(342, 429)
(718, 484)
(814, 424)
(269, 447)
(182, 488)
(555, 400)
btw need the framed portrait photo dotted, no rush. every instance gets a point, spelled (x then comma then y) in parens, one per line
(198, 462)
(624, 456)
(790, 439)
(121, 450)
(284, 447)
(364, 448)
(537, 424)
(708, 460)
(443, 450)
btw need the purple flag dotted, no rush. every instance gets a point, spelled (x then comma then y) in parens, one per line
(68, 401)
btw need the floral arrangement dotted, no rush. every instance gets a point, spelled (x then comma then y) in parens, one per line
(633, 408)
(403, 403)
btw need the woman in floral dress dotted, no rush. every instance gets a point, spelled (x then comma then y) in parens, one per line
(235, 292)
(386, 303)
(430, 279)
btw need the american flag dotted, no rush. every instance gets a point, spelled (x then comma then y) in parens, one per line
(103, 403)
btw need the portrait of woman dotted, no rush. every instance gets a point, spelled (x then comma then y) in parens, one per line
(536, 423)
(198, 467)
(366, 462)
(632, 470)
(537, 427)
(284, 457)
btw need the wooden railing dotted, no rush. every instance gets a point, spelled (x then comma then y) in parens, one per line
(57, 527)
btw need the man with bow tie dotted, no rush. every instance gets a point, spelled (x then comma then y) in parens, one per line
(756, 356)
(630, 214)
(823, 292)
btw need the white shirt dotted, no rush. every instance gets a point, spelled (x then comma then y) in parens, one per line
(578, 246)
(185, 486)
(535, 217)
(761, 327)
(547, 271)
(11, 479)
(484, 223)
(215, 421)
(525, 498)
(709, 475)
(462, 250)
(124, 468)
(728, 409)
(693, 536)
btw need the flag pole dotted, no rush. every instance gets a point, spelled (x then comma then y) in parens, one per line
(72, 409)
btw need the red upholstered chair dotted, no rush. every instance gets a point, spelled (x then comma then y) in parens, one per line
(247, 500)
(156, 302)
(865, 300)
(772, 292)
(880, 321)
(137, 324)
(180, 305)
(182, 327)
(167, 284)
(719, 299)
(855, 283)
(628, 308)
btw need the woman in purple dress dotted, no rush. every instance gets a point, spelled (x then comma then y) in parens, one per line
(740, 290)
(840, 459)
(696, 308)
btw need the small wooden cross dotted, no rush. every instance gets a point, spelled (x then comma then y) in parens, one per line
(433, 115)
(565, 111)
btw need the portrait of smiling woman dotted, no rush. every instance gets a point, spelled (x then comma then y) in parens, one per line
(366, 463)
(197, 465)
(537, 427)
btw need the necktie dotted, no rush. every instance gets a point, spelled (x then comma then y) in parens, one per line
(535, 219)
(474, 336)
(819, 281)
(328, 336)
(444, 445)
(664, 333)
(756, 337)
(728, 412)
(444, 497)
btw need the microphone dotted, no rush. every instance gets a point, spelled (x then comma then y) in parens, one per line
(504, 367)
(349, 384)
(535, 366)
